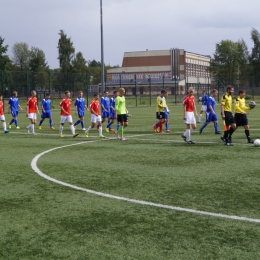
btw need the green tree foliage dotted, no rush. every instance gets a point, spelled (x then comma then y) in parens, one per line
(255, 55)
(4, 59)
(79, 64)
(37, 61)
(66, 52)
(21, 56)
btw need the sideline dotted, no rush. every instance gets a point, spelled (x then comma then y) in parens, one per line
(40, 173)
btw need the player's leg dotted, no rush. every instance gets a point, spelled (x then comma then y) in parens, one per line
(51, 122)
(208, 120)
(247, 133)
(62, 121)
(93, 121)
(4, 124)
(16, 120)
(41, 121)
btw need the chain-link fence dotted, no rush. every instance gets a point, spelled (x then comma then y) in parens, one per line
(138, 91)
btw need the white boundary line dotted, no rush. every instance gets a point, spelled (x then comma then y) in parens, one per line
(40, 173)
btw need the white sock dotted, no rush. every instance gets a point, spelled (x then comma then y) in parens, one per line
(32, 126)
(188, 135)
(100, 130)
(4, 125)
(61, 128)
(89, 128)
(29, 126)
(200, 116)
(185, 133)
(72, 129)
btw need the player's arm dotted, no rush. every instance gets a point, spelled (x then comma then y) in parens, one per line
(239, 108)
(43, 110)
(27, 108)
(222, 105)
(37, 109)
(20, 107)
(76, 110)
(195, 109)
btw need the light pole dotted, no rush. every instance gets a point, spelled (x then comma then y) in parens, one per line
(102, 50)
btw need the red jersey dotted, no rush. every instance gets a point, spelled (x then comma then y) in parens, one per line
(1, 108)
(189, 103)
(94, 105)
(65, 104)
(32, 104)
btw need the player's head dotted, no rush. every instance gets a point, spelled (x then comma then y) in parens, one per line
(80, 93)
(203, 91)
(105, 93)
(48, 96)
(242, 93)
(190, 91)
(163, 92)
(230, 90)
(214, 92)
(115, 93)
(67, 94)
(96, 96)
(121, 91)
(14, 94)
(33, 93)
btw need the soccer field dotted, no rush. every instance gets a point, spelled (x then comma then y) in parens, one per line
(151, 197)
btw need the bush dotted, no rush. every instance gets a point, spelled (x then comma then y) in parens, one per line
(248, 97)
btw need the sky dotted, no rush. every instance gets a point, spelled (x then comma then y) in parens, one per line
(128, 25)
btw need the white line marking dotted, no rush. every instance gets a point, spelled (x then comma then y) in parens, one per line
(39, 172)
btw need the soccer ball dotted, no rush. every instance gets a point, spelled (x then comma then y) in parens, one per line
(128, 114)
(252, 104)
(200, 98)
(257, 142)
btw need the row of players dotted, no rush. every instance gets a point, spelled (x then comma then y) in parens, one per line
(112, 109)
(208, 106)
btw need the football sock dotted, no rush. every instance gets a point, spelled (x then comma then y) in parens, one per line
(100, 130)
(203, 126)
(117, 126)
(61, 128)
(72, 129)
(200, 116)
(166, 126)
(82, 124)
(40, 122)
(4, 125)
(32, 127)
(231, 131)
(89, 128)
(11, 121)
(50, 123)
(188, 135)
(247, 134)
(16, 123)
(121, 131)
(216, 127)
(77, 123)
(226, 134)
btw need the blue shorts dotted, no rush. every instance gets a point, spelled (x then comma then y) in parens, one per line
(14, 113)
(105, 114)
(113, 115)
(46, 115)
(81, 114)
(210, 117)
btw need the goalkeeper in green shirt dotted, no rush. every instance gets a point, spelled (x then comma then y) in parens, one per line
(121, 114)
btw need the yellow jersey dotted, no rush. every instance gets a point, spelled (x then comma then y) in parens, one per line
(226, 101)
(240, 106)
(160, 104)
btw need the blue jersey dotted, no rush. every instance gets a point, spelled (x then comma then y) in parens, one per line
(46, 104)
(80, 104)
(211, 102)
(13, 103)
(105, 102)
(113, 102)
(204, 99)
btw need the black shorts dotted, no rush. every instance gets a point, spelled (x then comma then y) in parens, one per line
(241, 119)
(122, 118)
(160, 115)
(229, 119)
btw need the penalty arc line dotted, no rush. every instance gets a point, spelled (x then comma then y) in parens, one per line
(40, 173)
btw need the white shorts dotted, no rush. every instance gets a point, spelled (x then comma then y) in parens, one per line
(95, 118)
(2, 117)
(32, 116)
(190, 118)
(203, 108)
(64, 119)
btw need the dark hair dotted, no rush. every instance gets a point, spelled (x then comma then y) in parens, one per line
(48, 94)
(229, 87)
(96, 94)
(66, 92)
(163, 91)
(241, 91)
(115, 91)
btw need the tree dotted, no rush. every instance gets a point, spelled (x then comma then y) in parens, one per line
(66, 52)
(37, 60)
(21, 55)
(79, 64)
(255, 55)
(4, 59)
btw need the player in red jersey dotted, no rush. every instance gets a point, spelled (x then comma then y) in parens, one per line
(32, 108)
(2, 116)
(95, 116)
(189, 118)
(65, 114)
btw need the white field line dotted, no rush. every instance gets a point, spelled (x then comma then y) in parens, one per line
(40, 173)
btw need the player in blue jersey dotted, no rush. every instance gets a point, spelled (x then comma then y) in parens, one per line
(80, 110)
(105, 108)
(46, 111)
(211, 115)
(166, 113)
(14, 106)
(112, 114)
(204, 99)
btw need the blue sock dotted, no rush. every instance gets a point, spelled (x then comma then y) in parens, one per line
(16, 123)
(166, 126)
(109, 124)
(40, 122)
(50, 123)
(118, 126)
(203, 126)
(82, 124)
(216, 127)
(77, 122)
(11, 121)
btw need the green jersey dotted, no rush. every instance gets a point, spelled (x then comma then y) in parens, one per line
(120, 105)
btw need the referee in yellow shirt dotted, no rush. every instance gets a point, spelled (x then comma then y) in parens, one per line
(226, 114)
(241, 114)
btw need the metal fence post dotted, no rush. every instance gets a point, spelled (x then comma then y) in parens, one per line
(150, 89)
(135, 91)
(27, 84)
